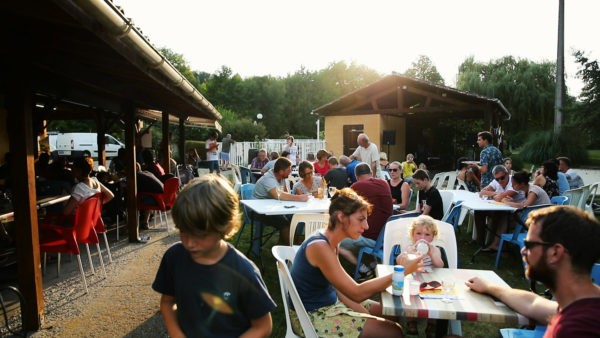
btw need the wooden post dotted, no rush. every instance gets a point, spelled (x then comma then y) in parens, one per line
(164, 144)
(100, 131)
(19, 104)
(182, 154)
(130, 171)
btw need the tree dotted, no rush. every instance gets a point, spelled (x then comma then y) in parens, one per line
(423, 69)
(525, 88)
(584, 116)
(179, 62)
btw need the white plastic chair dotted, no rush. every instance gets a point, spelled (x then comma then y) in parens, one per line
(435, 181)
(289, 183)
(574, 196)
(461, 185)
(237, 178)
(591, 197)
(386, 175)
(396, 232)
(283, 255)
(312, 223)
(584, 197)
(447, 197)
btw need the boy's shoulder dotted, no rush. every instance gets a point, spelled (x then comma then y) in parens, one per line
(237, 259)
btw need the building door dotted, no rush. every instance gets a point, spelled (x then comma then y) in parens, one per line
(351, 132)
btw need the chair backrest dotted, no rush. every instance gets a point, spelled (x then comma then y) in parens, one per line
(237, 177)
(247, 175)
(591, 197)
(312, 223)
(386, 175)
(170, 189)
(289, 183)
(574, 196)
(524, 214)
(461, 185)
(435, 181)
(446, 238)
(453, 216)
(396, 232)
(584, 197)
(246, 191)
(283, 255)
(447, 197)
(559, 200)
(85, 220)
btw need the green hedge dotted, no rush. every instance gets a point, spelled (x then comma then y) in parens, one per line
(200, 148)
(545, 145)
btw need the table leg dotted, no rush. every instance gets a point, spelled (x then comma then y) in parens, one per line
(256, 245)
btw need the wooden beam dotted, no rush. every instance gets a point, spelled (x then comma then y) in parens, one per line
(100, 131)
(435, 96)
(366, 100)
(182, 155)
(19, 104)
(164, 143)
(130, 169)
(399, 98)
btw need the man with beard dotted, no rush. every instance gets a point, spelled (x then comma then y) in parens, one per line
(560, 250)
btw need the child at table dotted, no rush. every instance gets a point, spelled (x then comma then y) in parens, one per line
(209, 288)
(423, 229)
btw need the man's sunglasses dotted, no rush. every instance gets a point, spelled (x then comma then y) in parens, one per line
(532, 244)
(429, 286)
(500, 178)
(393, 169)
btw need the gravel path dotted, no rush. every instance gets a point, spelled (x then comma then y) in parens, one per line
(123, 304)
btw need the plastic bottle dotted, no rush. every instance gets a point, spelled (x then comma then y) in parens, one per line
(398, 280)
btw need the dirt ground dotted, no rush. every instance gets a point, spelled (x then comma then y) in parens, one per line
(121, 305)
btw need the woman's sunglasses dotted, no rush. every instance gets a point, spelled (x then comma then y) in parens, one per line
(394, 170)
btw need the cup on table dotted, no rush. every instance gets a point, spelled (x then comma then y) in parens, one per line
(414, 287)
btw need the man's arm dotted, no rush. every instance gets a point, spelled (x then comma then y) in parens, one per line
(524, 302)
(287, 196)
(167, 308)
(260, 327)
(374, 168)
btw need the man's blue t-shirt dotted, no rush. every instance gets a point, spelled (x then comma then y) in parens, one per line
(350, 170)
(490, 156)
(216, 300)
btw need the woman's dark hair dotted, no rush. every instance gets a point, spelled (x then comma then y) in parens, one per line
(303, 166)
(346, 201)
(550, 169)
(522, 177)
(83, 166)
(460, 164)
(148, 156)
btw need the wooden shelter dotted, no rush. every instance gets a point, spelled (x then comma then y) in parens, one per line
(402, 115)
(78, 59)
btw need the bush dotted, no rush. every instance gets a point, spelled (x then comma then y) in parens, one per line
(517, 162)
(545, 145)
(199, 145)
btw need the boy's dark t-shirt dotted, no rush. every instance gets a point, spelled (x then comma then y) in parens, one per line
(216, 300)
(434, 200)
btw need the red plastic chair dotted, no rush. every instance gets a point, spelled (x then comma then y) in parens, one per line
(164, 200)
(99, 227)
(61, 239)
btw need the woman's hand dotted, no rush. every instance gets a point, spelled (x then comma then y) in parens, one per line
(411, 263)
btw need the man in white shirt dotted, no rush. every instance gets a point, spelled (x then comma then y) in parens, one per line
(369, 153)
(499, 188)
(564, 166)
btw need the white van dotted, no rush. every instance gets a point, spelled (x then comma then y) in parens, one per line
(84, 144)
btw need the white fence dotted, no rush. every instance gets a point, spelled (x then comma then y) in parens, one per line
(238, 154)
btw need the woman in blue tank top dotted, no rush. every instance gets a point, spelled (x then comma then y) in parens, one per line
(336, 304)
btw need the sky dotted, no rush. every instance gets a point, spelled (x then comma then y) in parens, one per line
(278, 37)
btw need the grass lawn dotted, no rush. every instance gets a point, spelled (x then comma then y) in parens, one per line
(511, 270)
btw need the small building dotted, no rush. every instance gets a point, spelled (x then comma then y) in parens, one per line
(401, 115)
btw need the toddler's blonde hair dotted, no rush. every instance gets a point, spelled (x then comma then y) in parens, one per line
(423, 221)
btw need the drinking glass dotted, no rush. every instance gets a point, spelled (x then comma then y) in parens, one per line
(279, 194)
(332, 191)
(448, 287)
